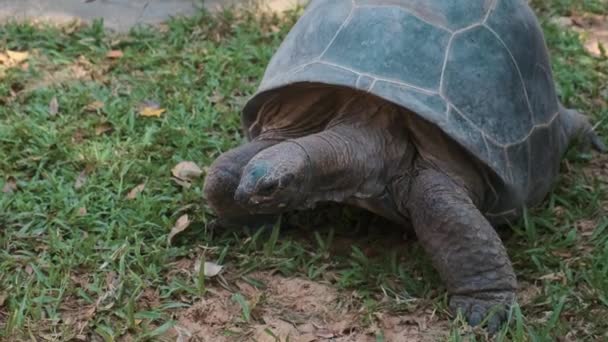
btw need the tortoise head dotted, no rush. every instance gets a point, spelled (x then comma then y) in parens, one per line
(275, 180)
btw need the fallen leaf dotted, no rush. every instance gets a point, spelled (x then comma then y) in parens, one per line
(10, 186)
(528, 292)
(136, 191)
(82, 211)
(553, 277)
(216, 97)
(275, 28)
(78, 136)
(28, 269)
(183, 334)
(562, 254)
(150, 108)
(111, 279)
(94, 106)
(586, 227)
(151, 112)
(182, 223)
(211, 269)
(81, 180)
(187, 171)
(103, 128)
(184, 184)
(17, 56)
(114, 54)
(53, 106)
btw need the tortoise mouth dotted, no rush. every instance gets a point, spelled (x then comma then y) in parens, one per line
(267, 202)
(267, 205)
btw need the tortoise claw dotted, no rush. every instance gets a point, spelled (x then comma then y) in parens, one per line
(489, 308)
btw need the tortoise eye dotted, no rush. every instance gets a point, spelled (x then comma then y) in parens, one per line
(287, 180)
(268, 189)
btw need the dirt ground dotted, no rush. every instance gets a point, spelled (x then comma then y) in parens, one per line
(593, 29)
(296, 309)
(122, 15)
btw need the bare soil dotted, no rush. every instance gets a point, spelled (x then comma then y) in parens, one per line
(297, 309)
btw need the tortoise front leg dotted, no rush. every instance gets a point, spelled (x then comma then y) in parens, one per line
(464, 247)
(222, 180)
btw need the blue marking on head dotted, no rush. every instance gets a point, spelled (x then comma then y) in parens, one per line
(259, 170)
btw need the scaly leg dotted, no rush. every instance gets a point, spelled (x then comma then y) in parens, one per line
(464, 247)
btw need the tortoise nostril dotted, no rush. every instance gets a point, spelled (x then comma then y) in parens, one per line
(241, 196)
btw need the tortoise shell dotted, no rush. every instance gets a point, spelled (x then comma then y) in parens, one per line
(477, 69)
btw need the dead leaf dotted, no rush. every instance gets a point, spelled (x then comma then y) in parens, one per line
(10, 186)
(527, 293)
(275, 28)
(103, 128)
(586, 227)
(183, 335)
(114, 54)
(78, 136)
(184, 184)
(136, 191)
(149, 108)
(111, 279)
(182, 223)
(151, 112)
(187, 171)
(216, 97)
(28, 269)
(81, 180)
(17, 57)
(82, 211)
(559, 276)
(53, 106)
(211, 269)
(94, 106)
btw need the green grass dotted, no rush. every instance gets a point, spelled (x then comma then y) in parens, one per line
(64, 248)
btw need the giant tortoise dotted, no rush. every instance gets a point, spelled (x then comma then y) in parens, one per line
(441, 113)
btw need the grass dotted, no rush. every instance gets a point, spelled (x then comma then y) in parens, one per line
(84, 261)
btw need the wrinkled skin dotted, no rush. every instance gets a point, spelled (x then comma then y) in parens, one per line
(368, 155)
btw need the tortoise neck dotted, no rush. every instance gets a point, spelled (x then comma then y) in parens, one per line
(362, 149)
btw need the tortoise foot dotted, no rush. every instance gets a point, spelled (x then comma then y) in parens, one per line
(491, 308)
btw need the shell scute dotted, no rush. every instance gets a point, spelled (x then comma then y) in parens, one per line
(318, 26)
(450, 14)
(484, 85)
(389, 38)
(518, 31)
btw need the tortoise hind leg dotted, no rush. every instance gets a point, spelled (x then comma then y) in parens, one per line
(465, 249)
(222, 180)
(577, 126)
